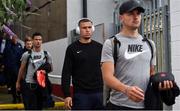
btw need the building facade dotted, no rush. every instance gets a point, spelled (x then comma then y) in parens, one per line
(103, 14)
(175, 44)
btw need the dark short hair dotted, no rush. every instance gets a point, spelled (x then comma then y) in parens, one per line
(130, 5)
(36, 34)
(84, 20)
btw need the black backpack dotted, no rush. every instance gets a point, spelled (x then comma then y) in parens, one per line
(116, 44)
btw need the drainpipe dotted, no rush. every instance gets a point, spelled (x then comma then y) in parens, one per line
(84, 8)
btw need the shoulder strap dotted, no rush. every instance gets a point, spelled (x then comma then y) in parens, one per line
(151, 47)
(115, 47)
(115, 51)
(45, 55)
(27, 63)
(29, 57)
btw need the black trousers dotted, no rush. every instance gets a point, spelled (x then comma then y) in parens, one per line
(88, 101)
(32, 96)
(11, 78)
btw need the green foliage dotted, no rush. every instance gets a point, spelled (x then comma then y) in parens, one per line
(11, 11)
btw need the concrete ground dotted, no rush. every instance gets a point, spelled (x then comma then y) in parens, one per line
(6, 101)
(4, 96)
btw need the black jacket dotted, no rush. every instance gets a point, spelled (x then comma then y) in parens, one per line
(154, 98)
(82, 63)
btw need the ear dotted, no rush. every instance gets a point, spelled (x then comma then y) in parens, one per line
(121, 18)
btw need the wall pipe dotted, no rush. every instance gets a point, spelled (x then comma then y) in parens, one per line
(84, 8)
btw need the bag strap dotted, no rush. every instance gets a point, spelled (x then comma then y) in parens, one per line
(27, 62)
(115, 48)
(45, 55)
(115, 51)
(145, 39)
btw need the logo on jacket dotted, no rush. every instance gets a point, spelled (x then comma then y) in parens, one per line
(79, 51)
(163, 75)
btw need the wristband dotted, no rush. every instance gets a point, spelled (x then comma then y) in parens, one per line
(126, 90)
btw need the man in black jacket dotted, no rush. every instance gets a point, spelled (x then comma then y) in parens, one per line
(12, 54)
(82, 63)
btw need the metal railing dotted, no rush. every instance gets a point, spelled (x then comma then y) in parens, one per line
(155, 26)
(54, 76)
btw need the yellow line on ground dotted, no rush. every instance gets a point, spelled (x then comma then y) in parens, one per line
(21, 106)
(59, 104)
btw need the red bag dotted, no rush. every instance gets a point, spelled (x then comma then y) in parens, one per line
(41, 78)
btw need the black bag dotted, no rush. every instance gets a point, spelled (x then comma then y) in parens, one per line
(162, 76)
(167, 96)
(46, 66)
(155, 97)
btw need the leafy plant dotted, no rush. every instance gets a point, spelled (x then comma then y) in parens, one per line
(11, 11)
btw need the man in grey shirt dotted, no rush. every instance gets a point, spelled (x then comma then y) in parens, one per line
(129, 78)
(32, 93)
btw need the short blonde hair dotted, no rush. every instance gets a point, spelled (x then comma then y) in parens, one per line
(28, 38)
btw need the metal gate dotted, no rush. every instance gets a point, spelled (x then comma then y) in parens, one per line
(155, 25)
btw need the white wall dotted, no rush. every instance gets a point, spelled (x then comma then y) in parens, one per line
(57, 50)
(74, 13)
(175, 43)
(101, 11)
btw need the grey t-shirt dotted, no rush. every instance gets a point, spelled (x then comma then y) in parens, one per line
(132, 68)
(36, 60)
